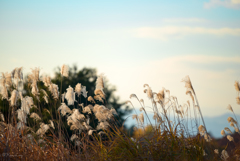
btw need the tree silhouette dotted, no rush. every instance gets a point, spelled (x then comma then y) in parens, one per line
(87, 77)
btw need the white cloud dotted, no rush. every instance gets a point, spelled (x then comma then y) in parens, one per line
(235, 4)
(167, 32)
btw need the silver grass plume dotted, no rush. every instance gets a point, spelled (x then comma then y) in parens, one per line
(4, 93)
(46, 80)
(13, 98)
(188, 83)
(223, 132)
(90, 99)
(230, 138)
(149, 93)
(73, 137)
(64, 109)
(53, 88)
(228, 130)
(6, 79)
(45, 95)
(22, 116)
(231, 120)
(76, 116)
(103, 115)
(188, 92)
(17, 76)
(34, 88)
(141, 118)
(2, 117)
(238, 100)
(51, 124)
(229, 107)
(70, 96)
(88, 127)
(236, 129)
(216, 151)
(20, 95)
(17, 73)
(64, 70)
(133, 96)
(27, 103)
(145, 85)
(78, 89)
(99, 98)
(84, 91)
(63, 96)
(100, 83)
(87, 110)
(43, 129)
(34, 76)
(160, 96)
(224, 155)
(103, 125)
(207, 137)
(46, 110)
(201, 129)
(232, 124)
(45, 98)
(44, 92)
(100, 93)
(237, 86)
(35, 116)
(90, 132)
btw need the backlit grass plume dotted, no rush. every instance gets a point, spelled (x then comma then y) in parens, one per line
(41, 120)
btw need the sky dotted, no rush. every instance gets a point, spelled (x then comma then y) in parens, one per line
(132, 43)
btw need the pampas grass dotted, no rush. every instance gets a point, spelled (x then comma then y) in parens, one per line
(79, 131)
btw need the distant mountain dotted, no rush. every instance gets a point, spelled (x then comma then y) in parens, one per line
(218, 123)
(214, 124)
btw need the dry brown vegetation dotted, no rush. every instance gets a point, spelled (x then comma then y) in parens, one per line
(177, 133)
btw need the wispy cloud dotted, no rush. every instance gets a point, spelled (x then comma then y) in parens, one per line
(235, 4)
(167, 32)
(184, 20)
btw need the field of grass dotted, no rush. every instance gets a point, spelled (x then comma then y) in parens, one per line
(39, 121)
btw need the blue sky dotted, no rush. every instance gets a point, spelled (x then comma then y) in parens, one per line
(132, 43)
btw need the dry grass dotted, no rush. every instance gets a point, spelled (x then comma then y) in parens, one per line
(177, 133)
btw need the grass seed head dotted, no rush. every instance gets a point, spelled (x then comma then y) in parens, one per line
(223, 132)
(141, 118)
(78, 89)
(224, 155)
(35, 116)
(228, 130)
(64, 109)
(230, 138)
(64, 70)
(237, 86)
(13, 98)
(238, 100)
(70, 96)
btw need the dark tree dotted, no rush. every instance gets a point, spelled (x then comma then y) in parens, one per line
(87, 77)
